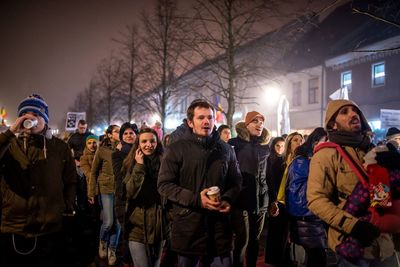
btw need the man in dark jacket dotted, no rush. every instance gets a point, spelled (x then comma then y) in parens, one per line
(37, 188)
(77, 141)
(252, 151)
(201, 227)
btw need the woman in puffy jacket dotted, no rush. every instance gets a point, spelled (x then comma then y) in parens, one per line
(306, 229)
(144, 214)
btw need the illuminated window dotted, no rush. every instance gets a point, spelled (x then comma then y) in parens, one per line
(296, 96)
(378, 74)
(313, 91)
(345, 80)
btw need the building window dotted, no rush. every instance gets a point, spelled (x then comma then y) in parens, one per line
(313, 91)
(345, 80)
(296, 99)
(378, 74)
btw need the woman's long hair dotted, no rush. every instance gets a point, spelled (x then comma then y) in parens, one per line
(288, 153)
(307, 148)
(272, 146)
(130, 161)
(109, 130)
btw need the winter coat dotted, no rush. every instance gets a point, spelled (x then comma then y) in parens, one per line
(296, 187)
(86, 163)
(252, 154)
(330, 182)
(179, 133)
(102, 175)
(117, 159)
(145, 214)
(275, 170)
(306, 229)
(37, 186)
(190, 165)
(77, 142)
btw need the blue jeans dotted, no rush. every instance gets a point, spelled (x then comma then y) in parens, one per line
(110, 230)
(140, 256)
(388, 262)
(193, 261)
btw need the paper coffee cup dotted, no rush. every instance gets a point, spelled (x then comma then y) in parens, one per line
(213, 193)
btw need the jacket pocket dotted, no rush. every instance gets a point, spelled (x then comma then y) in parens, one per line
(137, 217)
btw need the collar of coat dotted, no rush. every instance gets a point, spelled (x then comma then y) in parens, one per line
(88, 152)
(244, 134)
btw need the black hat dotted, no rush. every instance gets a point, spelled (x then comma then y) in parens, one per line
(392, 133)
(128, 125)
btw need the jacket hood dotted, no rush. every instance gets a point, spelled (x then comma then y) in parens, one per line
(244, 134)
(334, 106)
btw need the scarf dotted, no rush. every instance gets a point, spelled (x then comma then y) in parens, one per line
(355, 140)
(126, 147)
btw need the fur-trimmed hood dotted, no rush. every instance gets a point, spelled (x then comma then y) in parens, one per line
(244, 134)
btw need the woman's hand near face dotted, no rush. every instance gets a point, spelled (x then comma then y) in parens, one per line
(139, 156)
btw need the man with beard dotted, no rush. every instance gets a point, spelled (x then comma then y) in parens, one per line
(37, 188)
(332, 180)
(199, 160)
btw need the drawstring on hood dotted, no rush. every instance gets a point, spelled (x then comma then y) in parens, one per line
(46, 134)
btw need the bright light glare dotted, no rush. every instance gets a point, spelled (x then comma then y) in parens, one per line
(375, 124)
(272, 95)
(172, 123)
(237, 115)
(155, 117)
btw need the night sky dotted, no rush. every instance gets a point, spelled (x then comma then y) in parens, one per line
(53, 47)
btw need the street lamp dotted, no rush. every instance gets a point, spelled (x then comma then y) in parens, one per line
(272, 94)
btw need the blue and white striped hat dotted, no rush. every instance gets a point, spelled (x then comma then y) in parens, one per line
(36, 104)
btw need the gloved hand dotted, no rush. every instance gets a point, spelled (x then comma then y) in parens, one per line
(389, 159)
(365, 232)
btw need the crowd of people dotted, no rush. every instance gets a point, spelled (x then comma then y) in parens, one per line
(197, 196)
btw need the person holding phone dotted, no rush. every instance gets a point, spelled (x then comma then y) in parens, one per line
(145, 216)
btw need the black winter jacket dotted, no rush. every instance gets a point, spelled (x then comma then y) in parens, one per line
(275, 170)
(77, 142)
(252, 154)
(117, 159)
(190, 165)
(38, 184)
